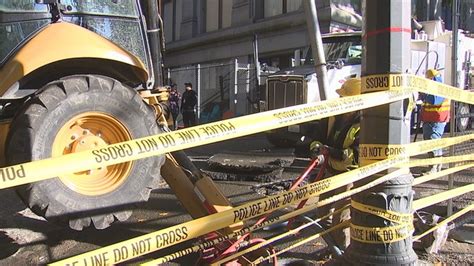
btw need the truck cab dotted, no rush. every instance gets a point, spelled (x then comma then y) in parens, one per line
(298, 85)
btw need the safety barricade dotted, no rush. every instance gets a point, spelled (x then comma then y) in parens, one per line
(388, 88)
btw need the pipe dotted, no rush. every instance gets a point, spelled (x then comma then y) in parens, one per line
(154, 32)
(316, 42)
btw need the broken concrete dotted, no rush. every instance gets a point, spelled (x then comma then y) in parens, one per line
(253, 161)
(261, 165)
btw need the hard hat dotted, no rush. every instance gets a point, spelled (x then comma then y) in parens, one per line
(431, 73)
(350, 87)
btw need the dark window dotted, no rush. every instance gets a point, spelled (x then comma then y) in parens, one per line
(115, 20)
(19, 20)
(218, 14)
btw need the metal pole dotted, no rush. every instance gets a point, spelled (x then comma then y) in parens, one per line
(316, 42)
(198, 77)
(454, 82)
(386, 33)
(236, 84)
(256, 60)
(247, 90)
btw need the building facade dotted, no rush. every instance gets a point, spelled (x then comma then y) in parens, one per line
(211, 42)
(200, 33)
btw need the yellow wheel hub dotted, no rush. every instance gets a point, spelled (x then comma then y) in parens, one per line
(87, 131)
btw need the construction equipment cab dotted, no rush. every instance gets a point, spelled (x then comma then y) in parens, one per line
(69, 75)
(298, 85)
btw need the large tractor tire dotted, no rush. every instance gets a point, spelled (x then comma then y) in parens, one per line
(74, 114)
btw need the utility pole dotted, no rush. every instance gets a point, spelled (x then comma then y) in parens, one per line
(316, 42)
(386, 50)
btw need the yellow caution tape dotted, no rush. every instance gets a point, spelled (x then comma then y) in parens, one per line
(380, 151)
(192, 229)
(195, 228)
(210, 133)
(428, 177)
(441, 160)
(425, 146)
(384, 82)
(276, 238)
(445, 221)
(188, 138)
(439, 197)
(284, 217)
(227, 129)
(371, 153)
(375, 83)
(342, 225)
(396, 217)
(302, 242)
(377, 235)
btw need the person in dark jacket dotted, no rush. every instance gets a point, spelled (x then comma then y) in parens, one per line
(174, 100)
(188, 104)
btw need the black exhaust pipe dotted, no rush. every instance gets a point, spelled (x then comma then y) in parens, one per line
(154, 30)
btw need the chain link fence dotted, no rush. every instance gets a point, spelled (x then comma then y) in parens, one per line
(224, 90)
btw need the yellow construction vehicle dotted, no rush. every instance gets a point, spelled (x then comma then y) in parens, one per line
(72, 73)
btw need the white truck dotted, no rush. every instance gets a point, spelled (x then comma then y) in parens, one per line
(298, 85)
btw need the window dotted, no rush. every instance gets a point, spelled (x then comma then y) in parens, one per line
(172, 18)
(277, 7)
(273, 8)
(21, 6)
(218, 14)
(212, 15)
(16, 33)
(123, 8)
(293, 5)
(19, 21)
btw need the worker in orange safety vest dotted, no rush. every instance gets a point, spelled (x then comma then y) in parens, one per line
(435, 113)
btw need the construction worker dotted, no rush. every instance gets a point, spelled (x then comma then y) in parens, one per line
(435, 112)
(342, 148)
